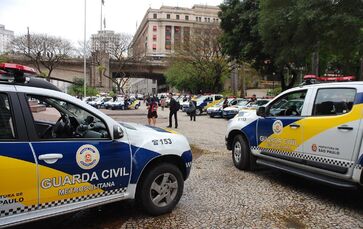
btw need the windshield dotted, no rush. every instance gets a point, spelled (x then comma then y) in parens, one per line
(99, 99)
(242, 103)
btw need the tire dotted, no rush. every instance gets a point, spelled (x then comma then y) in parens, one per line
(136, 107)
(198, 111)
(154, 179)
(241, 154)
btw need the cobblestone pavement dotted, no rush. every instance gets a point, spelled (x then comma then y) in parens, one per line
(217, 195)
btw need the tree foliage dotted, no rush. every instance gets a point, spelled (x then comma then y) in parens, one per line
(281, 36)
(43, 51)
(77, 88)
(198, 64)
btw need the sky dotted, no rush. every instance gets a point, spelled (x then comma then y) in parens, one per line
(65, 18)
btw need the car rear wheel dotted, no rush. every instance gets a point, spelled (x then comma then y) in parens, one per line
(241, 154)
(198, 111)
(161, 189)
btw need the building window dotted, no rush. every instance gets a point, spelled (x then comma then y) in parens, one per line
(155, 28)
(155, 16)
(168, 16)
(177, 17)
(168, 37)
(154, 47)
(154, 37)
(177, 36)
(186, 17)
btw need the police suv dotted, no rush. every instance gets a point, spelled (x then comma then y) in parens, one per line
(58, 154)
(314, 131)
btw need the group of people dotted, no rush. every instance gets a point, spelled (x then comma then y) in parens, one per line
(152, 107)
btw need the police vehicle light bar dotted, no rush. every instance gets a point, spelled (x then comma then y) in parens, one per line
(327, 78)
(15, 72)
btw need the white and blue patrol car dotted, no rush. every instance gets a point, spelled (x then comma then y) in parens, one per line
(58, 154)
(314, 131)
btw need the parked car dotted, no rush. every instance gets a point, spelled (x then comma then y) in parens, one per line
(231, 111)
(119, 103)
(321, 140)
(69, 156)
(100, 102)
(202, 102)
(217, 110)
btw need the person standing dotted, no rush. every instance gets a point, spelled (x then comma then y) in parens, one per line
(173, 106)
(152, 114)
(193, 108)
(225, 102)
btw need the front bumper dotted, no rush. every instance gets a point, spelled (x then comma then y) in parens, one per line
(229, 114)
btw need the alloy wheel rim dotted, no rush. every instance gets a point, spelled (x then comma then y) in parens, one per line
(237, 151)
(164, 189)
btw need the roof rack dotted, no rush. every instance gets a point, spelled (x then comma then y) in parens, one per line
(23, 75)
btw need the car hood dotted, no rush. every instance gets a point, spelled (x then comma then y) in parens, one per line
(231, 109)
(146, 128)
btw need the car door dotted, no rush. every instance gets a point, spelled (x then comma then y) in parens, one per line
(330, 132)
(18, 172)
(77, 158)
(279, 133)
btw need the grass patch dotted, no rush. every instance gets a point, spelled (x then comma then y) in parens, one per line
(197, 152)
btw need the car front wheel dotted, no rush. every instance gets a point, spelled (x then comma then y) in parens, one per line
(161, 189)
(241, 154)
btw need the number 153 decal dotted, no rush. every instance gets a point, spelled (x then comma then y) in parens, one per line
(165, 141)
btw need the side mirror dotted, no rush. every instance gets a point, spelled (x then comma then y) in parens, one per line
(261, 111)
(117, 132)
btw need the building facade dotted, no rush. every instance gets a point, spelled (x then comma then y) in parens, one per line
(6, 36)
(143, 86)
(102, 44)
(163, 30)
(105, 40)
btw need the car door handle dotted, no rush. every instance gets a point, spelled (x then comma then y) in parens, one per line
(50, 158)
(294, 126)
(345, 128)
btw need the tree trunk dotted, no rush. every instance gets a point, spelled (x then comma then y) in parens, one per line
(360, 77)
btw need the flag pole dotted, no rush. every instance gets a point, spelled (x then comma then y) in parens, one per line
(84, 52)
(102, 2)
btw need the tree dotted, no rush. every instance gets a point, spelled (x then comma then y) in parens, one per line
(241, 40)
(293, 31)
(77, 88)
(3, 59)
(277, 36)
(43, 51)
(117, 50)
(198, 63)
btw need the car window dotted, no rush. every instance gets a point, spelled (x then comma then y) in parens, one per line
(242, 103)
(288, 105)
(333, 101)
(7, 130)
(58, 119)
